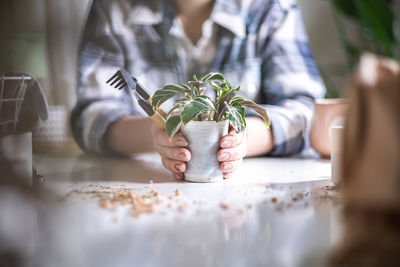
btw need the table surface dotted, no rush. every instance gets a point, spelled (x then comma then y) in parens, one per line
(274, 212)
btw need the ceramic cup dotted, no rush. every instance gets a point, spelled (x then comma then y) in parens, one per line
(325, 111)
(337, 135)
(204, 138)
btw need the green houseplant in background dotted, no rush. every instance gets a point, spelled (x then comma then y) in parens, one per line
(203, 121)
(378, 33)
(378, 26)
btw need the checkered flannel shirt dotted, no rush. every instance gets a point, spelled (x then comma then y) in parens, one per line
(261, 45)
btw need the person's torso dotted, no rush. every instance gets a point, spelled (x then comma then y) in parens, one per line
(151, 51)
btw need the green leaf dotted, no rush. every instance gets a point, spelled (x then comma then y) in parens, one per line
(186, 87)
(172, 125)
(378, 19)
(167, 92)
(176, 108)
(250, 104)
(220, 86)
(213, 76)
(347, 7)
(205, 77)
(225, 97)
(195, 107)
(236, 117)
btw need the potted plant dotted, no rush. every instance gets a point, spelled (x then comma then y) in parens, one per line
(203, 121)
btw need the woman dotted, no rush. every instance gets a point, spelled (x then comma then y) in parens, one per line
(258, 44)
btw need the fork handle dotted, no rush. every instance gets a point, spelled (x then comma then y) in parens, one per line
(159, 116)
(158, 119)
(159, 110)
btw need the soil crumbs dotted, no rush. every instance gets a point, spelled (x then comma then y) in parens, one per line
(112, 197)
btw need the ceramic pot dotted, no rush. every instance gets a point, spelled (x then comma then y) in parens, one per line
(325, 111)
(204, 138)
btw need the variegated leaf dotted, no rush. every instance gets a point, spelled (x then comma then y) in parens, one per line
(225, 97)
(213, 76)
(195, 107)
(167, 92)
(250, 104)
(172, 125)
(236, 117)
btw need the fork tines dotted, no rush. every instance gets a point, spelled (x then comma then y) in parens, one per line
(117, 78)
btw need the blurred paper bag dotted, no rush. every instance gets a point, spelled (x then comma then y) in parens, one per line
(371, 168)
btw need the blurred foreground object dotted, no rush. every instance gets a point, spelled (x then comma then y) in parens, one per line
(22, 105)
(371, 168)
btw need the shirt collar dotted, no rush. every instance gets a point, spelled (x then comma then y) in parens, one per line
(230, 15)
(226, 13)
(145, 13)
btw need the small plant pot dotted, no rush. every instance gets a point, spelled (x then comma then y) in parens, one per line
(204, 138)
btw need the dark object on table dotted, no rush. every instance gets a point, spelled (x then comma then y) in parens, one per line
(371, 169)
(37, 179)
(22, 103)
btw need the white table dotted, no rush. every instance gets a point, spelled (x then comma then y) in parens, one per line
(251, 230)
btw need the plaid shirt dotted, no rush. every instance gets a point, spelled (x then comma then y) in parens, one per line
(261, 45)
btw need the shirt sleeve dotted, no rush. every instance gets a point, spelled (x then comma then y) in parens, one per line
(98, 103)
(290, 83)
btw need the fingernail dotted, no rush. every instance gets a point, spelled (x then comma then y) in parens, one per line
(178, 177)
(181, 156)
(180, 142)
(226, 143)
(224, 156)
(179, 167)
(227, 167)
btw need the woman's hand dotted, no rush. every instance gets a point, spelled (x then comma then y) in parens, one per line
(233, 150)
(173, 153)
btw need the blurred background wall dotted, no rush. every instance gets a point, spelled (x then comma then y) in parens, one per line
(41, 37)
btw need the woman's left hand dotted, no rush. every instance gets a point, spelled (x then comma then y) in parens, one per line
(233, 150)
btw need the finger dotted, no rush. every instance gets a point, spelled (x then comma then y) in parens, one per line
(230, 154)
(160, 138)
(174, 165)
(174, 153)
(177, 175)
(230, 166)
(232, 139)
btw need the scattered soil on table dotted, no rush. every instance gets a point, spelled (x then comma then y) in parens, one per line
(177, 192)
(319, 196)
(328, 193)
(111, 198)
(299, 196)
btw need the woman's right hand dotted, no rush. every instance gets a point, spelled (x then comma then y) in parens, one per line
(173, 153)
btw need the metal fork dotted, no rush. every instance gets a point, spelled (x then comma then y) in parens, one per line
(122, 79)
